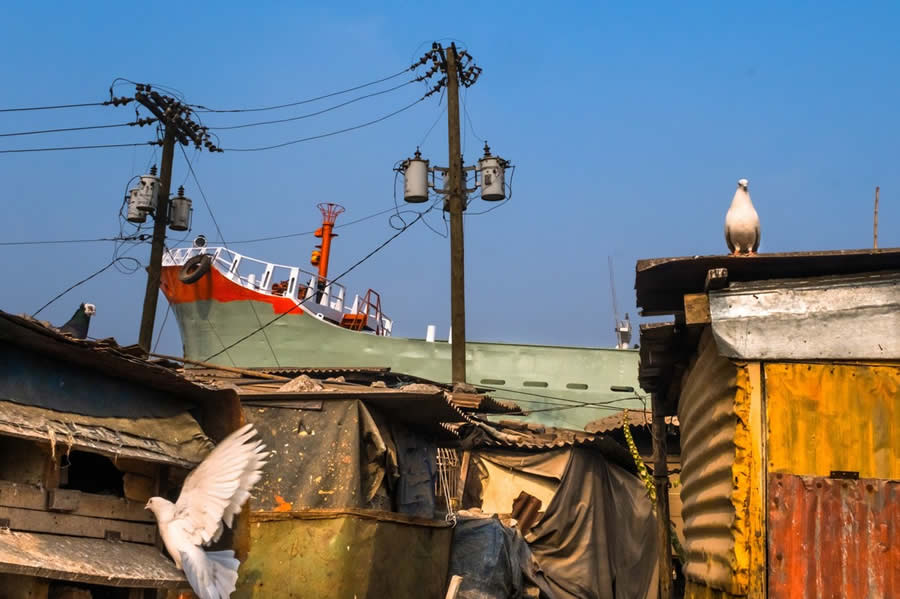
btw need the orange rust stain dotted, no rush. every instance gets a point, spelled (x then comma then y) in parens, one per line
(283, 506)
(215, 286)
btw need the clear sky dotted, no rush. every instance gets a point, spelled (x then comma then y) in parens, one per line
(629, 124)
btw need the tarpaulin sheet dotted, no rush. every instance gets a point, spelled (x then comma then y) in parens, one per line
(493, 560)
(328, 458)
(597, 539)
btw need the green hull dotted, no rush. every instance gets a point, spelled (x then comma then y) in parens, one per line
(550, 378)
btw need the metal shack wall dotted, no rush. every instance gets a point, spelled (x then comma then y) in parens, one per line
(345, 553)
(713, 411)
(826, 536)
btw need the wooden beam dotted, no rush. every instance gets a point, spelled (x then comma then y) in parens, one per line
(77, 526)
(696, 309)
(661, 482)
(29, 497)
(243, 371)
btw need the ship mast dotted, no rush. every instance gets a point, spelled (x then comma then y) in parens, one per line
(322, 252)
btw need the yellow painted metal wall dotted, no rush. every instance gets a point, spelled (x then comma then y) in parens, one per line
(715, 473)
(824, 417)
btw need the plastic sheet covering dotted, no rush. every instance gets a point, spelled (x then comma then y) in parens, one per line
(493, 560)
(336, 457)
(504, 474)
(597, 538)
(418, 470)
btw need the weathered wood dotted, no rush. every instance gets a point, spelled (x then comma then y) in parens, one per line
(63, 500)
(696, 309)
(83, 560)
(463, 475)
(138, 487)
(661, 482)
(453, 589)
(137, 466)
(13, 586)
(89, 505)
(716, 278)
(78, 526)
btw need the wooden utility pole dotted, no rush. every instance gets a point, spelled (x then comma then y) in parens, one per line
(160, 222)
(174, 116)
(875, 231)
(661, 482)
(456, 205)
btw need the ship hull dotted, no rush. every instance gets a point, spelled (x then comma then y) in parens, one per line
(223, 323)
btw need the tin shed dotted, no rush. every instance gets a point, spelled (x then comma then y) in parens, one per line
(784, 372)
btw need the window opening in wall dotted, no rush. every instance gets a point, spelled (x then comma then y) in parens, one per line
(91, 473)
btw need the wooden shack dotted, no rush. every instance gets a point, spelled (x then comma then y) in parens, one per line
(784, 372)
(88, 432)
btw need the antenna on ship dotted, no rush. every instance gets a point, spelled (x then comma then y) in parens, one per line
(622, 327)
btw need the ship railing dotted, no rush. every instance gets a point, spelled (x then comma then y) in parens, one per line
(266, 277)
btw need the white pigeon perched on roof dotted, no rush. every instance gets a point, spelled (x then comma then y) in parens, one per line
(742, 222)
(212, 493)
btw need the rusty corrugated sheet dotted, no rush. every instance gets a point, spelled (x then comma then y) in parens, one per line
(824, 417)
(710, 480)
(833, 538)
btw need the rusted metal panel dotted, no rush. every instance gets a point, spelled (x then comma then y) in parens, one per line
(833, 538)
(345, 553)
(714, 475)
(824, 417)
(842, 318)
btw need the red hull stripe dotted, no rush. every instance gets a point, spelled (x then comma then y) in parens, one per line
(215, 286)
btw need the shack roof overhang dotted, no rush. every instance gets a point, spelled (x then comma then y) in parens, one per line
(105, 356)
(661, 285)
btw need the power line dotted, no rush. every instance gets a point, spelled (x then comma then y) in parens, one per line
(318, 112)
(323, 135)
(23, 109)
(85, 280)
(201, 108)
(303, 233)
(64, 241)
(140, 123)
(203, 195)
(17, 151)
(336, 279)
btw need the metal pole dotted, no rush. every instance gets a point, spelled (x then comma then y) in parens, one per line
(661, 481)
(875, 231)
(456, 206)
(160, 221)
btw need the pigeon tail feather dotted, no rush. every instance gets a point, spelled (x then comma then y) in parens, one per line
(213, 574)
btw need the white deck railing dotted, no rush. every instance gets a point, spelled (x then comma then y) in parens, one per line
(277, 280)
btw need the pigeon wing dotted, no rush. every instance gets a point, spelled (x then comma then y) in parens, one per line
(756, 243)
(220, 485)
(728, 237)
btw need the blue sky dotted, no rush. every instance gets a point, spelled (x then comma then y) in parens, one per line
(628, 125)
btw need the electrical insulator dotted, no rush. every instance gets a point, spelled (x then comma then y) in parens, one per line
(415, 179)
(493, 182)
(135, 213)
(148, 191)
(180, 212)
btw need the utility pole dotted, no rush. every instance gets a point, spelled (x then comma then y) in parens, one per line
(458, 69)
(875, 231)
(174, 117)
(154, 270)
(456, 203)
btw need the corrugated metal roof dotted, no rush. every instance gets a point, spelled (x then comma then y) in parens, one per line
(661, 283)
(536, 437)
(833, 538)
(617, 421)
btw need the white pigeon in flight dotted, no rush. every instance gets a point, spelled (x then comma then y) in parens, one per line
(742, 222)
(212, 493)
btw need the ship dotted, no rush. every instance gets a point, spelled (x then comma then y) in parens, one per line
(235, 310)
